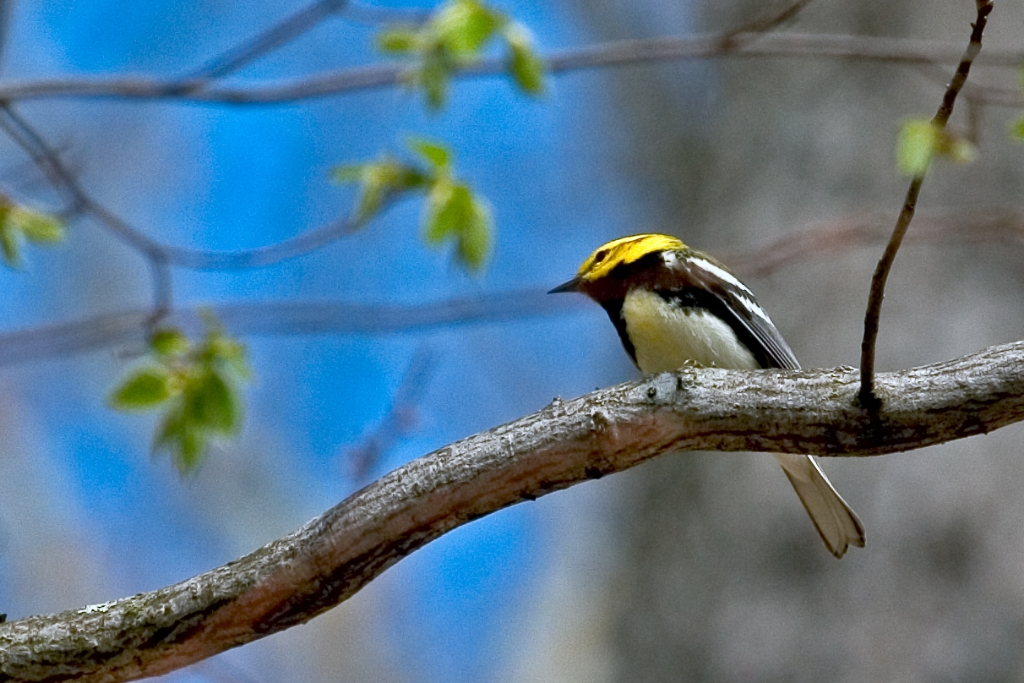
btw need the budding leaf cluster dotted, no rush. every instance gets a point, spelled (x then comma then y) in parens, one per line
(20, 225)
(193, 385)
(454, 37)
(921, 140)
(453, 212)
(379, 182)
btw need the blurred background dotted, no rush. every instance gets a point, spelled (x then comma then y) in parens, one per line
(694, 567)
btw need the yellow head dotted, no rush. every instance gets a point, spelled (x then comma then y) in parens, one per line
(622, 251)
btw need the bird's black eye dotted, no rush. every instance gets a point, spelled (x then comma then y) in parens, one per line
(600, 255)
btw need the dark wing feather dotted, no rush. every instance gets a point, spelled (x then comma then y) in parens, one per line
(753, 327)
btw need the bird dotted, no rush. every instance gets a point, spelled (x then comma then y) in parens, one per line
(673, 306)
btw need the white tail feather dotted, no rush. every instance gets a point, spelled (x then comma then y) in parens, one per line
(837, 524)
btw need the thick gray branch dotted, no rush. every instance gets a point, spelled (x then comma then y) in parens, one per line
(297, 577)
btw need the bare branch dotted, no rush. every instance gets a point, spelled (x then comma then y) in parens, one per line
(363, 458)
(754, 29)
(259, 257)
(46, 158)
(292, 580)
(161, 256)
(868, 398)
(831, 238)
(275, 318)
(619, 53)
(269, 40)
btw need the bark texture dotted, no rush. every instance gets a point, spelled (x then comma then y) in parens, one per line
(313, 569)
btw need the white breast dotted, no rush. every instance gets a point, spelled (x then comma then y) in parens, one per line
(666, 337)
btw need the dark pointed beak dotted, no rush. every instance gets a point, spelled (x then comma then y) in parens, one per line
(572, 285)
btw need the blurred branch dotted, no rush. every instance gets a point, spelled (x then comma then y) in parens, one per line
(279, 318)
(617, 53)
(867, 396)
(274, 318)
(832, 238)
(277, 36)
(161, 257)
(286, 31)
(365, 457)
(292, 580)
(754, 29)
(79, 201)
(158, 255)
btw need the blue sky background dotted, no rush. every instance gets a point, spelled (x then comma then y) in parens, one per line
(84, 501)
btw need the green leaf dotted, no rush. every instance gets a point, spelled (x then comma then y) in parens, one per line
(525, 64)
(191, 383)
(921, 141)
(475, 238)
(447, 207)
(433, 77)
(169, 431)
(371, 197)
(37, 227)
(191, 451)
(169, 342)
(210, 404)
(185, 443)
(918, 142)
(399, 40)
(379, 180)
(10, 244)
(464, 26)
(958, 149)
(239, 365)
(232, 355)
(453, 212)
(144, 390)
(437, 155)
(348, 173)
(1017, 129)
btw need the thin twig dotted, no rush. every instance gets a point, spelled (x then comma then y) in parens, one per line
(867, 396)
(163, 291)
(831, 238)
(273, 38)
(755, 29)
(300, 245)
(364, 458)
(43, 155)
(79, 201)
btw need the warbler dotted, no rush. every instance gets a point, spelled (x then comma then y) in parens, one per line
(674, 305)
